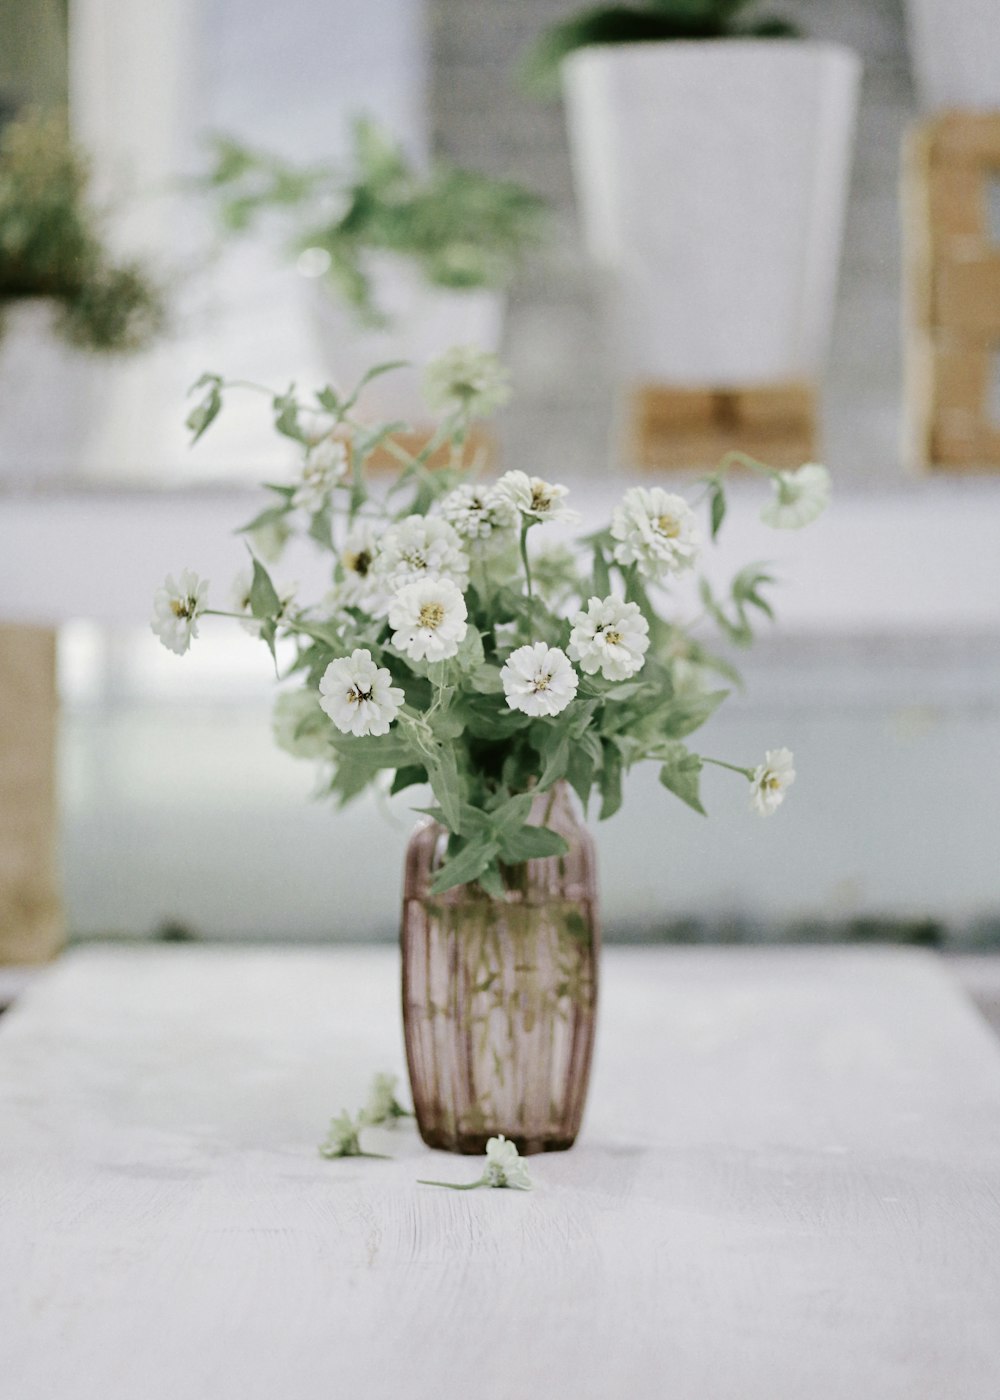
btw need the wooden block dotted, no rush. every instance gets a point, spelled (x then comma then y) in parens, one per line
(966, 446)
(480, 447)
(680, 429)
(31, 924)
(967, 296)
(957, 207)
(961, 379)
(969, 137)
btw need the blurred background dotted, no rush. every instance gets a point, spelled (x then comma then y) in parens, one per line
(814, 323)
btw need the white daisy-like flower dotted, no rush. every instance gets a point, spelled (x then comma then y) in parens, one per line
(382, 1105)
(539, 680)
(421, 546)
(771, 780)
(297, 723)
(799, 497)
(655, 530)
(428, 619)
(358, 588)
(505, 1165)
(176, 609)
(358, 695)
(611, 637)
(480, 515)
(466, 380)
(324, 466)
(342, 1138)
(239, 595)
(534, 498)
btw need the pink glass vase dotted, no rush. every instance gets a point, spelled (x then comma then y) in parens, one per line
(500, 994)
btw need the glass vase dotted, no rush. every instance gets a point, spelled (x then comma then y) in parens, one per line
(500, 994)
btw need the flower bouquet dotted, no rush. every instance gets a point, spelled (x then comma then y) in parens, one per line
(455, 651)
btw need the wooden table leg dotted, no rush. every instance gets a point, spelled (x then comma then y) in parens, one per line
(31, 919)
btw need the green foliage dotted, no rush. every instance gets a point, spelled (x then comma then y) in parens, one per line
(461, 228)
(656, 20)
(51, 245)
(484, 762)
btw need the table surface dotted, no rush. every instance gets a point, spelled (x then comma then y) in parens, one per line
(787, 1187)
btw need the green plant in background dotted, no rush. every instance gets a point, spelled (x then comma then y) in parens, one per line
(51, 245)
(461, 228)
(657, 19)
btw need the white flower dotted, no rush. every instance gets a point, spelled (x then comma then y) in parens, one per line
(420, 547)
(533, 497)
(358, 695)
(655, 530)
(383, 1106)
(342, 1139)
(239, 596)
(325, 464)
(428, 619)
(176, 609)
(358, 588)
(771, 779)
(480, 515)
(611, 637)
(466, 380)
(297, 724)
(799, 497)
(539, 680)
(505, 1166)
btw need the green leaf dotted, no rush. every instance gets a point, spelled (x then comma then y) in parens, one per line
(264, 600)
(556, 762)
(689, 712)
(485, 679)
(470, 653)
(465, 866)
(611, 781)
(531, 843)
(510, 815)
(205, 413)
(681, 775)
(367, 378)
(718, 508)
(286, 416)
(271, 516)
(413, 775)
(602, 577)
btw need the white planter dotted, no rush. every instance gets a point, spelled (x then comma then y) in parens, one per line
(712, 181)
(424, 321)
(50, 395)
(955, 51)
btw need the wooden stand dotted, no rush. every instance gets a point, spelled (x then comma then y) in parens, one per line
(31, 922)
(952, 308)
(480, 445)
(684, 429)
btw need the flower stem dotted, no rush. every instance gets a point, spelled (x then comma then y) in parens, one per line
(453, 1185)
(525, 527)
(733, 768)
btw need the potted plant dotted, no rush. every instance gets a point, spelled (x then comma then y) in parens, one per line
(955, 50)
(510, 684)
(407, 262)
(711, 154)
(65, 299)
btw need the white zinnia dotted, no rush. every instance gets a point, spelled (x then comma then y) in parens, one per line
(358, 588)
(358, 695)
(539, 680)
(535, 498)
(771, 780)
(505, 1166)
(239, 595)
(421, 546)
(799, 497)
(655, 530)
(466, 380)
(325, 464)
(611, 637)
(428, 619)
(480, 514)
(176, 609)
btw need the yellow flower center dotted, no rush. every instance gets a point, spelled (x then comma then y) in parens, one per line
(358, 563)
(771, 781)
(356, 695)
(541, 683)
(613, 639)
(668, 525)
(431, 615)
(540, 498)
(182, 607)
